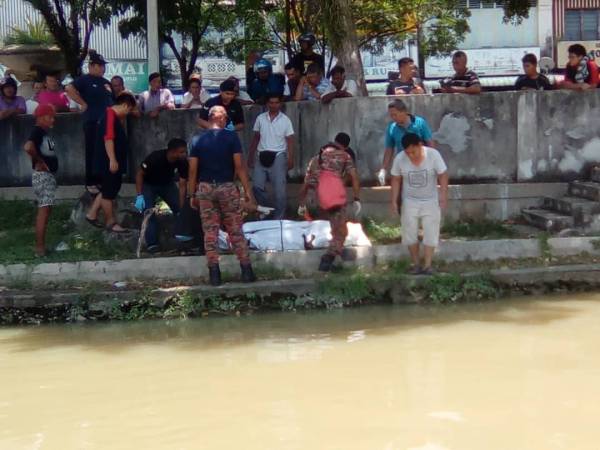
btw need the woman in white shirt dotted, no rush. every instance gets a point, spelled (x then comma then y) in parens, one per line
(196, 96)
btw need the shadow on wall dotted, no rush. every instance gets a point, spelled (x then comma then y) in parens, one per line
(493, 137)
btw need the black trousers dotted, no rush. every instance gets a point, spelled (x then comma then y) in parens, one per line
(89, 131)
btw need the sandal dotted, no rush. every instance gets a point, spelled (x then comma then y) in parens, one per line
(94, 222)
(111, 229)
(427, 271)
(414, 270)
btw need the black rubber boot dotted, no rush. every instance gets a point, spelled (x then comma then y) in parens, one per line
(349, 254)
(326, 262)
(214, 275)
(247, 273)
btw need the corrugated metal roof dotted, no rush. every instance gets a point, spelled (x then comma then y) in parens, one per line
(107, 41)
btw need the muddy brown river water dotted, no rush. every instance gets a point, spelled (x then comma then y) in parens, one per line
(516, 374)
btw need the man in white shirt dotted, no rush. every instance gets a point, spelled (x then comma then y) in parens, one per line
(157, 98)
(417, 171)
(273, 138)
(339, 87)
(196, 96)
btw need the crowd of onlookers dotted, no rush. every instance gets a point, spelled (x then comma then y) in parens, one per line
(304, 79)
(206, 176)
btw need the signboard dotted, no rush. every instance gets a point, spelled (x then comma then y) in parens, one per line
(485, 62)
(134, 73)
(593, 48)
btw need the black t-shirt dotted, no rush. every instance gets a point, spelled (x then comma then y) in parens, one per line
(214, 150)
(234, 109)
(158, 170)
(44, 146)
(301, 62)
(110, 128)
(541, 83)
(398, 87)
(97, 93)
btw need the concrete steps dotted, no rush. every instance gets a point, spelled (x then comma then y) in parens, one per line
(548, 220)
(585, 189)
(580, 208)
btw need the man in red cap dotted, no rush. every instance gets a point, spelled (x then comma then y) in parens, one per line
(40, 148)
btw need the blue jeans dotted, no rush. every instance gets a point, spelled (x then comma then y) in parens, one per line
(170, 194)
(277, 175)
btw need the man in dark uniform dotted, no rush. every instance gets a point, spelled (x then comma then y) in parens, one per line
(227, 100)
(93, 93)
(155, 178)
(215, 161)
(307, 55)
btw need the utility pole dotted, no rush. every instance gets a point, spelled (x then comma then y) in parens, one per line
(152, 43)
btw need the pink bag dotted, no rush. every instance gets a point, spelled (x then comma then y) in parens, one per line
(331, 190)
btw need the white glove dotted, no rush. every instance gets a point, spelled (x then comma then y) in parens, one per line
(302, 210)
(381, 177)
(357, 207)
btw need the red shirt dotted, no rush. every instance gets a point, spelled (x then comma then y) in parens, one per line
(58, 99)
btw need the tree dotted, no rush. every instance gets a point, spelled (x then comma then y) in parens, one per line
(341, 31)
(71, 23)
(189, 27)
(516, 10)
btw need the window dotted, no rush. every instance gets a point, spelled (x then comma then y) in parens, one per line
(582, 24)
(478, 4)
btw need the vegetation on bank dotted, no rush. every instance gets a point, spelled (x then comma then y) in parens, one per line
(17, 236)
(347, 287)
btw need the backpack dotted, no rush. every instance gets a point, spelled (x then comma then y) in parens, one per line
(331, 190)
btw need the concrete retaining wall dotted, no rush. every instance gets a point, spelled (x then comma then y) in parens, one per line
(303, 263)
(499, 137)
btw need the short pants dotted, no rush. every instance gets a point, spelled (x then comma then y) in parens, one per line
(429, 214)
(44, 188)
(110, 185)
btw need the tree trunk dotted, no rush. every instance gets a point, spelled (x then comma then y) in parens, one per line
(341, 31)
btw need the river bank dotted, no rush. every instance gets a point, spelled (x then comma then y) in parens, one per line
(352, 287)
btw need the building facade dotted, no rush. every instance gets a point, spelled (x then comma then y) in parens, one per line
(576, 21)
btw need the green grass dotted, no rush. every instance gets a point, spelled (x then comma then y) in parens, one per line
(17, 236)
(480, 229)
(381, 232)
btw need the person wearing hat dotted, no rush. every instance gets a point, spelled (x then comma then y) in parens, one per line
(307, 55)
(40, 148)
(266, 82)
(11, 104)
(226, 99)
(93, 93)
(157, 98)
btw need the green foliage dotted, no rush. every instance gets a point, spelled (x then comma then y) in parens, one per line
(516, 10)
(482, 229)
(347, 286)
(35, 33)
(72, 22)
(453, 288)
(381, 232)
(17, 236)
(545, 249)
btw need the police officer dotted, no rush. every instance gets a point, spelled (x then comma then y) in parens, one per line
(215, 160)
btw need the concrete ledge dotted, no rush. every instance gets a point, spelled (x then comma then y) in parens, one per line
(303, 263)
(583, 273)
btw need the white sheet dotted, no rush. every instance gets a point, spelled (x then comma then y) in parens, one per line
(286, 235)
